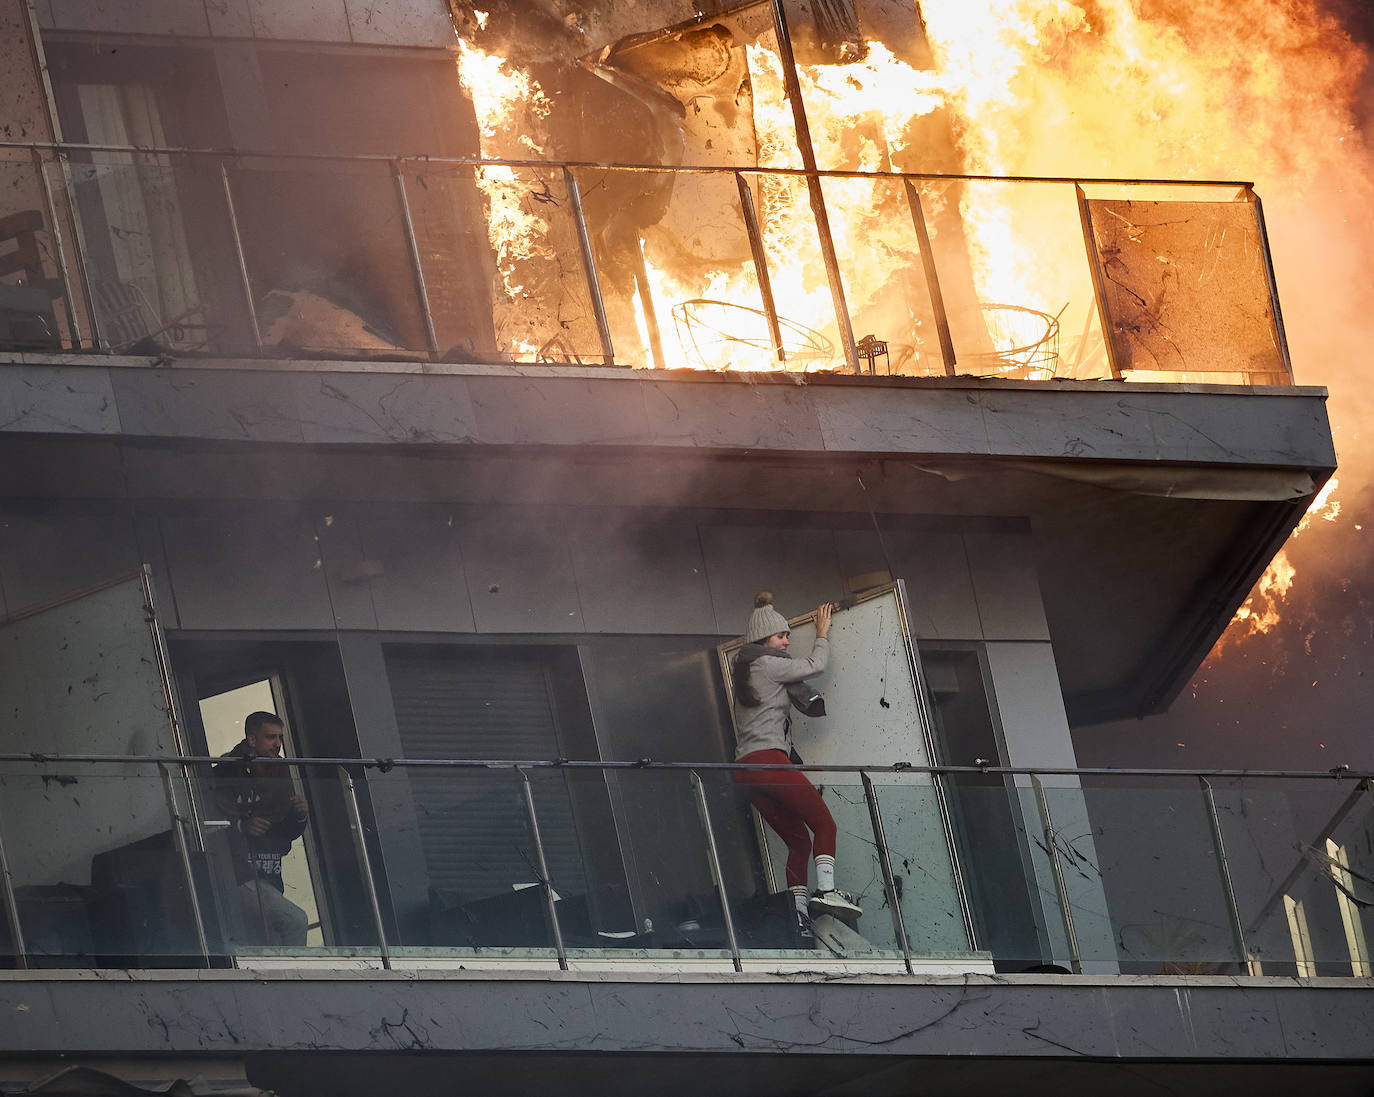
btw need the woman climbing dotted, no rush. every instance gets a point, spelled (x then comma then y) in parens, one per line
(788, 802)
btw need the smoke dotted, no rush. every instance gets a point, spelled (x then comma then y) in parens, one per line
(1293, 107)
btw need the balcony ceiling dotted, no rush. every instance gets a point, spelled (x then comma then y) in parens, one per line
(1153, 507)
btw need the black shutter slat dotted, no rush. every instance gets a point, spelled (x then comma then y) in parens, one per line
(454, 701)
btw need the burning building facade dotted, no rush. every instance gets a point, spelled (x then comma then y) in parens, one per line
(447, 381)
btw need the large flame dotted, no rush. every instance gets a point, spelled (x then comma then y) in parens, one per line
(1263, 609)
(1068, 88)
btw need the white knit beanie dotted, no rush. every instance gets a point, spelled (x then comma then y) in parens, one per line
(765, 621)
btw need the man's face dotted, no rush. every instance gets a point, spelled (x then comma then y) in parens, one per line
(266, 741)
(778, 641)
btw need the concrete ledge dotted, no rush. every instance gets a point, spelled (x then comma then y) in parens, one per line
(558, 406)
(1031, 1016)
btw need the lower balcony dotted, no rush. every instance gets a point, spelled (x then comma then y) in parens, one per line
(527, 866)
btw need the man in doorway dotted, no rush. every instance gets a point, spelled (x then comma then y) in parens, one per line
(267, 816)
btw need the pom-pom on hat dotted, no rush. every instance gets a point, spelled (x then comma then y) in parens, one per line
(765, 621)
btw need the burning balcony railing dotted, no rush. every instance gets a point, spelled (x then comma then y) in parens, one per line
(180, 252)
(129, 863)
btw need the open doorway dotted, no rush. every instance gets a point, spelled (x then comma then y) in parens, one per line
(222, 716)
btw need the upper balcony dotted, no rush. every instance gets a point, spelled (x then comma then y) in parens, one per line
(165, 254)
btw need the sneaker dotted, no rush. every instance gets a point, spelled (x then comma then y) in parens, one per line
(804, 930)
(838, 903)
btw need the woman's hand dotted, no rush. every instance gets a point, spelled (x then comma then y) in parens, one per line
(823, 612)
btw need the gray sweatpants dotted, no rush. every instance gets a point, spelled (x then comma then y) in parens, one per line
(269, 917)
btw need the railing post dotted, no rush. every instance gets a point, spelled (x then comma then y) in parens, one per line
(1051, 843)
(584, 240)
(179, 838)
(417, 269)
(751, 226)
(704, 809)
(792, 87)
(355, 823)
(543, 866)
(1280, 334)
(82, 267)
(244, 283)
(59, 252)
(1232, 909)
(1099, 279)
(937, 297)
(894, 902)
(11, 907)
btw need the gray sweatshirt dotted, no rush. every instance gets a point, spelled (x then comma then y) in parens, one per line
(764, 727)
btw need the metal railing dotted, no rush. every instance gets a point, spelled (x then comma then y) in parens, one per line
(235, 225)
(1107, 875)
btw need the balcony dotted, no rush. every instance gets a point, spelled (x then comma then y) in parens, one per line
(129, 864)
(175, 254)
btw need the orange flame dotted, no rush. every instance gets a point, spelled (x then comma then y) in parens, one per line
(1263, 609)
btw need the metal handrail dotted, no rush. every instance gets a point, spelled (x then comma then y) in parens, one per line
(1336, 773)
(345, 767)
(398, 166)
(611, 165)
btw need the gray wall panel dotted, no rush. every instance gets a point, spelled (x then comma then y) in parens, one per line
(422, 586)
(370, 407)
(248, 405)
(346, 571)
(57, 401)
(393, 803)
(642, 577)
(310, 20)
(870, 420)
(519, 572)
(411, 24)
(44, 556)
(557, 411)
(683, 413)
(1004, 581)
(939, 588)
(254, 568)
(799, 566)
(1047, 426)
(132, 16)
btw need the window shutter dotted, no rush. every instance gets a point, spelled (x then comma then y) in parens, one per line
(455, 701)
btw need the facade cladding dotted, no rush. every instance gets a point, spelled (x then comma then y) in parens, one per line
(457, 422)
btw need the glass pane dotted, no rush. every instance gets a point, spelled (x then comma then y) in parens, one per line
(1300, 860)
(1187, 287)
(97, 877)
(246, 914)
(707, 312)
(542, 306)
(650, 892)
(317, 286)
(1016, 282)
(761, 908)
(32, 313)
(159, 253)
(446, 210)
(920, 865)
(1002, 856)
(884, 280)
(83, 675)
(477, 869)
(1149, 853)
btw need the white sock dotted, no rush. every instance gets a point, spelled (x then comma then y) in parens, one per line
(825, 873)
(799, 897)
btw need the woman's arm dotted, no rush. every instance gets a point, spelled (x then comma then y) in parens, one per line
(795, 670)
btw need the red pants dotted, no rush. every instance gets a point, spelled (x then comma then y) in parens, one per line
(790, 804)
